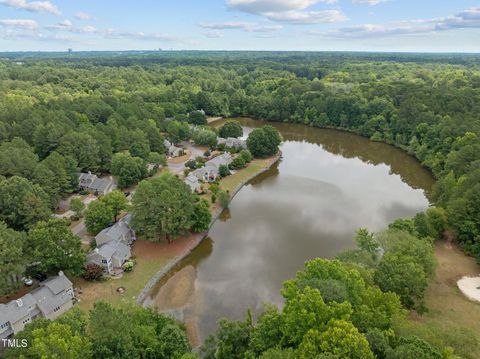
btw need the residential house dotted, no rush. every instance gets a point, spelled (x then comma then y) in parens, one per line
(113, 246)
(98, 186)
(193, 182)
(211, 170)
(110, 256)
(119, 232)
(51, 299)
(172, 150)
(232, 142)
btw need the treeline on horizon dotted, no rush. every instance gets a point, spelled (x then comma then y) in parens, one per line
(60, 116)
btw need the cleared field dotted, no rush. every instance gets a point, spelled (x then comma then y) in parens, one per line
(452, 320)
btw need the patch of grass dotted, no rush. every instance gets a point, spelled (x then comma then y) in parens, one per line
(232, 182)
(452, 320)
(133, 283)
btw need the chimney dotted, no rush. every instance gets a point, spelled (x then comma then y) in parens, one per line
(60, 274)
(19, 303)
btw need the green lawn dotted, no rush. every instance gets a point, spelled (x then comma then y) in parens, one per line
(133, 282)
(232, 182)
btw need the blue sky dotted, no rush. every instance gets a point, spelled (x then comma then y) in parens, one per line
(314, 25)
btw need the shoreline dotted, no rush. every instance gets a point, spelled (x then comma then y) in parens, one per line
(198, 237)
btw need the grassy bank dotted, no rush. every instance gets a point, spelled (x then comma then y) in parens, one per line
(452, 320)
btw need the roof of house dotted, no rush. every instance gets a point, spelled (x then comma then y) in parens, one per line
(101, 184)
(16, 309)
(87, 177)
(46, 297)
(48, 302)
(192, 181)
(57, 284)
(223, 159)
(117, 231)
(121, 250)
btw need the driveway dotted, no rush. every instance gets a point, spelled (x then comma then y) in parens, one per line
(194, 152)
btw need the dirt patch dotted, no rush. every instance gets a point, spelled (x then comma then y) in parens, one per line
(177, 291)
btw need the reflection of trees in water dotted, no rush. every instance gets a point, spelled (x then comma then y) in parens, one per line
(271, 172)
(349, 145)
(225, 215)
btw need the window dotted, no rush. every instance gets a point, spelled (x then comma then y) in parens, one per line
(104, 261)
(3, 326)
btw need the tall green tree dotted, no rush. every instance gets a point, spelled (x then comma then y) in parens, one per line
(55, 248)
(17, 159)
(162, 207)
(117, 202)
(12, 259)
(98, 216)
(264, 142)
(128, 169)
(22, 203)
(231, 129)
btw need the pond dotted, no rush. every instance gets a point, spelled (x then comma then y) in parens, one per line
(328, 184)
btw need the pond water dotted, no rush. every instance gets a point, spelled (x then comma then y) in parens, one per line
(327, 184)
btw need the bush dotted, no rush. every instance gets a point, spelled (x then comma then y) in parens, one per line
(93, 272)
(223, 171)
(246, 155)
(237, 163)
(128, 266)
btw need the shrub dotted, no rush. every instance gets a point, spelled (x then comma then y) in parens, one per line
(128, 266)
(93, 272)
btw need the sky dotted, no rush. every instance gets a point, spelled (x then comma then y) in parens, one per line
(307, 25)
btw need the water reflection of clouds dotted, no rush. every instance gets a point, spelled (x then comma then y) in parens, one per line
(311, 208)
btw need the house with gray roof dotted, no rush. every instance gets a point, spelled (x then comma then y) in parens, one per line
(172, 150)
(98, 186)
(192, 181)
(50, 300)
(110, 256)
(119, 232)
(113, 246)
(211, 170)
(233, 142)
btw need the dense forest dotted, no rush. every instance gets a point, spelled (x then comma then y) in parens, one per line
(63, 114)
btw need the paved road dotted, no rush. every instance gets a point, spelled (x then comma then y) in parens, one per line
(194, 152)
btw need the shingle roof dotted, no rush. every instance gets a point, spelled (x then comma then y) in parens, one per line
(117, 231)
(57, 284)
(47, 297)
(16, 309)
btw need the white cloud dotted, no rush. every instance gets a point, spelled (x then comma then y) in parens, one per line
(213, 35)
(240, 25)
(467, 19)
(307, 17)
(288, 11)
(19, 23)
(368, 2)
(260, 7)
(32, 6)
(83, 16)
